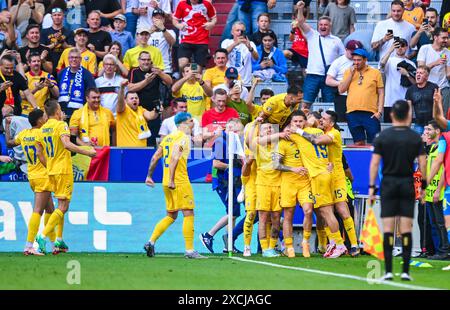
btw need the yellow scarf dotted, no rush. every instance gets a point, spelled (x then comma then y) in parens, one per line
(143, 130)
(84, 124)
(9, 94)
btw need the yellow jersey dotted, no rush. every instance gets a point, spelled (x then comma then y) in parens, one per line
(266, 174)
(131, 58)
(335, 151)
(127, 129)
(41, 95)
(276, 111)
(182, 141)
(248, 152)
(59, 160)
(314, 157)
(99, 124)
(88, 61)
(195, 97)
(291, 158)
(414, 16)
(28, 138)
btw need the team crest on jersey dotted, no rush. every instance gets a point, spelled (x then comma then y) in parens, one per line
(269, 109)
(86, 58)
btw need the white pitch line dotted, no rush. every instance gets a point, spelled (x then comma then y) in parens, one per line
(339, 275)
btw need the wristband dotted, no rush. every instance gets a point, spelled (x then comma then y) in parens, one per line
(202, 83)
(293, 31)
(424, 184)
(164, 30)
(251, 50)
(375, 189)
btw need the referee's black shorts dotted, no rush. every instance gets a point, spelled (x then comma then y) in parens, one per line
(397, 196)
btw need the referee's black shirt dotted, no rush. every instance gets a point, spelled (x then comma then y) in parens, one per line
(398, 147)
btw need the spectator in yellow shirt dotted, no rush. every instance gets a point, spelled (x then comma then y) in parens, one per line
(91, 124)
(131, 56)
(88, 59)
(413, 14)
(41, 84)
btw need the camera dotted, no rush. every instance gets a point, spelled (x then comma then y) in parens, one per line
(194, 67)
(390, 31)
(42, 80)
(396, 39)
(425, 21)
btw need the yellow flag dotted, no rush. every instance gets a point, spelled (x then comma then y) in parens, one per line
(371, 236)
(80, 165)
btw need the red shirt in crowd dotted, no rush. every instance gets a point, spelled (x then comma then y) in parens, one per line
(212, 119)
(194, 16)
(300, 45)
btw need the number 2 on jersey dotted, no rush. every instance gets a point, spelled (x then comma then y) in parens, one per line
(49, 146)
(166, 156)
(322, 152)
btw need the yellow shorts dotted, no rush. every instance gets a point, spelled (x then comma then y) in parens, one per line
(41, 185)
(339, 188)
(62, 185)
(268, 198)
(180, 198)
(250, 197)
(322, 189)
(293, 192)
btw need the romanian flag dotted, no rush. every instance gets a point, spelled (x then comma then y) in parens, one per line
(91, 169)
(371, 236)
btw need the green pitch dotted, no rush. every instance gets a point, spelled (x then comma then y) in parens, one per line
(169, 272)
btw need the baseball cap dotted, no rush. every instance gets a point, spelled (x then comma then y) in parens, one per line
(158, 12)
(121, 17)
(231, 73)
(403, 42)
(142, 29)
(353, 45)
(181, 117)
(360, 52)
(80, 30)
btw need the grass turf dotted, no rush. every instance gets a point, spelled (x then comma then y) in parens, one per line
(172, 272)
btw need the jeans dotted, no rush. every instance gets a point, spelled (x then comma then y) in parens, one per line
(362, 125)
(231, 19)
(131, 23)
(313, 83)
(438, 220)
(250, 18)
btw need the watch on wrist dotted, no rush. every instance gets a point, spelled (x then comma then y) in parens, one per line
(164, 30)
(202, 83)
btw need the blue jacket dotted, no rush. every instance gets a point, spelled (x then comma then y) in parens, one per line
(278, 57)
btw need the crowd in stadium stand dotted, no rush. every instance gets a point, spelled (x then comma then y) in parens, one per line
(122, 69)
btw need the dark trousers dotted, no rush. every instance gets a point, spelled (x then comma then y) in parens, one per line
(387, 115)
(438, 220)
(340, 107)
(426, 240)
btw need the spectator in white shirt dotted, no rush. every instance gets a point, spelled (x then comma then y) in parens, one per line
(394, 88)
(144, 9)
(336, 73)
(162, 38)
(108, 84)
(241, 51)
(436, 57)
(168, 125)
(383, 35)
(231, 79)
(323, 49)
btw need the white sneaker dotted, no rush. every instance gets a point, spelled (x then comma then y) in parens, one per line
(405, 277)
(247, 252)
(446, 268)
(387, 277)
(241, 195)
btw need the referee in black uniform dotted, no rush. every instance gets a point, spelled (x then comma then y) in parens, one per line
(398, 147)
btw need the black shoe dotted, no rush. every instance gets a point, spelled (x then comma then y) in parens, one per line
(150, 249)
(438, 257)
(235, 250)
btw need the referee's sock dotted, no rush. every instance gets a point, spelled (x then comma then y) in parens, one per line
(388, 246)
(406, 248)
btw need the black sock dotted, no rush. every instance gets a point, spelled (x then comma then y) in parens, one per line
(406, 247)
(208, 235)
(388, 246)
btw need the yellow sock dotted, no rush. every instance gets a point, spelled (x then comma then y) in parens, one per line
(306, 235)
(336, 237)
(273, 243)
(160, 228)
(264, 244)
(322, 237)
(188, 232)
(33, 226)
(289, 242)
(328, 231)
(350, 229)
(54, 219)
(268, 230)
(60, 228)
(248, 227)
(244, 179)
(51, 235)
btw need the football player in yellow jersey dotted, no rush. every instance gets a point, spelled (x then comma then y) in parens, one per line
(316, 160)
(55, 140)
(268, 181)
(37, 176)
(174, 149)
(332, 138)
(295, 187)
(277, 109)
